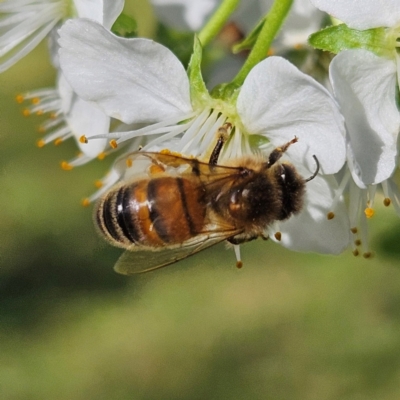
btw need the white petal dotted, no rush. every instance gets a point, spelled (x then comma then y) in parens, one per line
(311, 230)
(280, 102)
(85, 118)
(111, 11)
(133, 80)
(105, 12)
(183, 14)
(365, 87)
(362, 14)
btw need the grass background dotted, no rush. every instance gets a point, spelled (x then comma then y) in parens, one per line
(286, 326)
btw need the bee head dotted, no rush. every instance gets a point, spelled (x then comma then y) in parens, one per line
(292, 187)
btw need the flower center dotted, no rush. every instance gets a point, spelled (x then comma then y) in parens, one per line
(393, 38)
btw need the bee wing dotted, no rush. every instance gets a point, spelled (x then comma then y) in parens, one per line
(141, 162)
(142, 259)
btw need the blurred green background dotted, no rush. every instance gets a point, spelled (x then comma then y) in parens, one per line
(286, 326)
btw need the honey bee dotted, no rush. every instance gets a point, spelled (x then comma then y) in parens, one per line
(181, 206)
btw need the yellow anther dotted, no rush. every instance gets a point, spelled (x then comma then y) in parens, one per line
(53, 116)
(330, 215)
(278, 236)
(239, 264)
(369, 212)
(386, 202)
(368, 254)
(41, 129)
(40, 143)
(19, 98)
(356, 252)
(98, 183)
(102, 155)
(354, 230)
(35, 100)
(58, 141)
(298, 46)
(85, 202)
(66, 166)
(129, 162)
(26, 112)
(271, 51)
(39, 112)
(113, 143)
(165, 151)
(357, 242)
(83, 139)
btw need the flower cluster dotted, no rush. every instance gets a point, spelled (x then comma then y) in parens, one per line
(349, 122)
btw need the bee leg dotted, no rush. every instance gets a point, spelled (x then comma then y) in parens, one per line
(222, 138)
(242, 239)
(278, 152)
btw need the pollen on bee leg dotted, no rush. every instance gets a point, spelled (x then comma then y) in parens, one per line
(83, 139)
(330, 215)
(156, 169)
(170, 153)
(369, 212)
(239, 263)
(113, 143)
(386, 202)
(278, 236)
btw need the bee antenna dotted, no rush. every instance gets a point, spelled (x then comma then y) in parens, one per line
(316, 170)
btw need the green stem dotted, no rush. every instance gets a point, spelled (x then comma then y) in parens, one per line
(271, 26)
(217, 21)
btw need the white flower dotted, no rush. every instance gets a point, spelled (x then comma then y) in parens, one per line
(365, 86)
(70, 116)
(372, 128)
(140, 81)
(25, 23)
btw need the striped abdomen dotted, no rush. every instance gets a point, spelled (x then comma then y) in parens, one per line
(155, 212)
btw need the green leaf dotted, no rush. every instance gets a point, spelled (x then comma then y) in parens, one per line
(340, 37)
(198, 90)
(125, 26)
